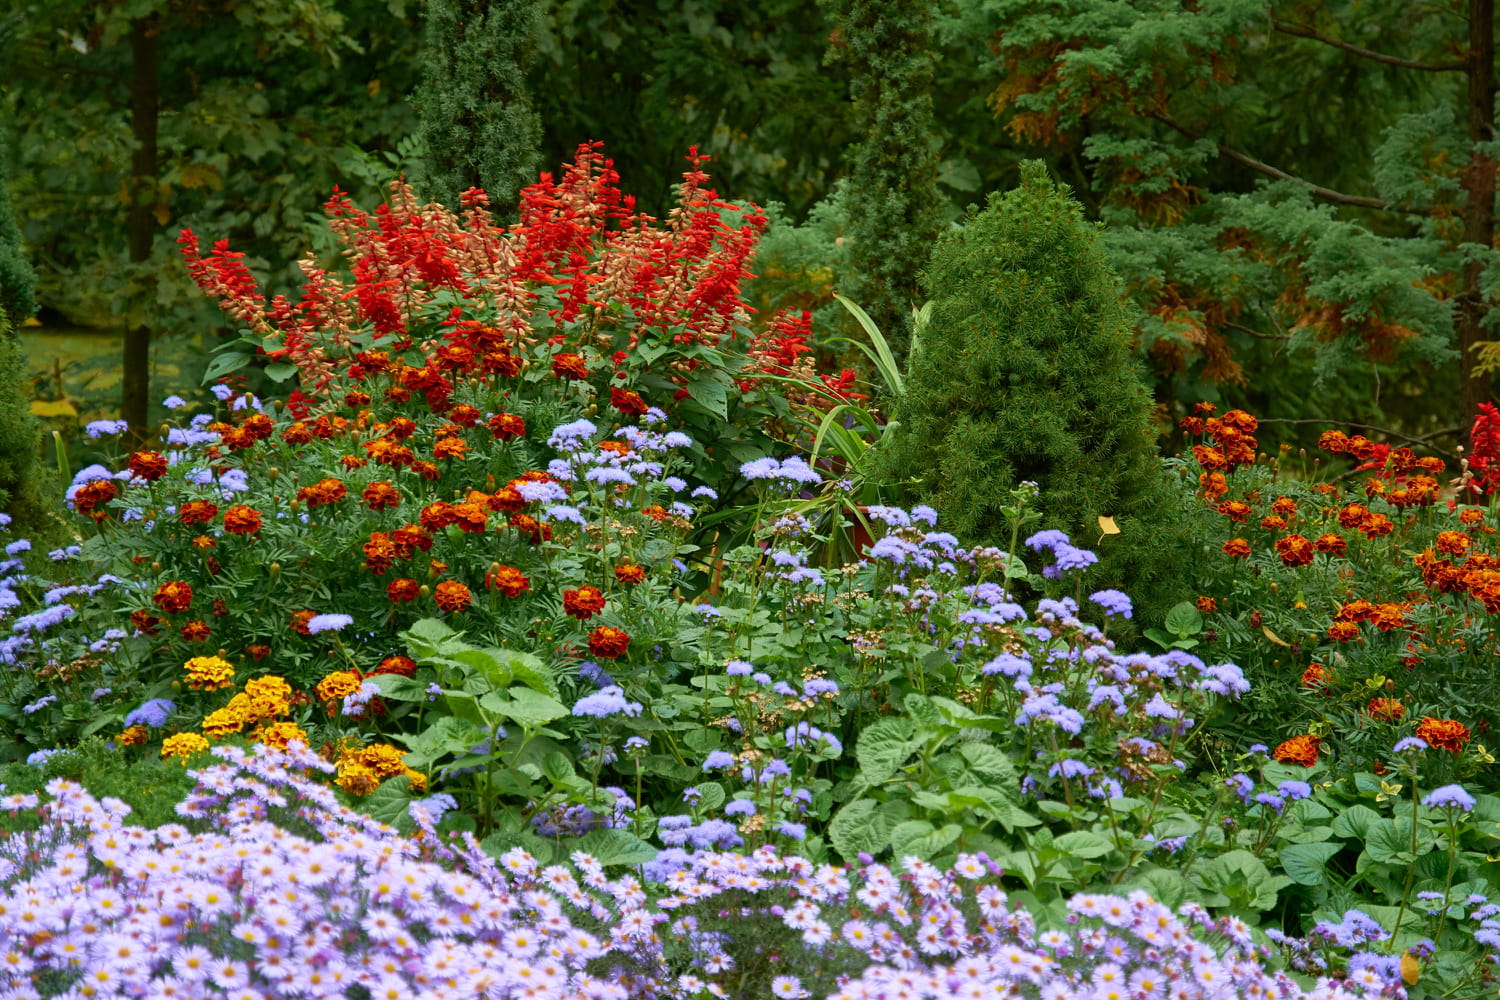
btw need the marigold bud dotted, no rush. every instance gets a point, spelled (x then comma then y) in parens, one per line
(425, 590)
(272, 472)
(275, 570)
(156, 567)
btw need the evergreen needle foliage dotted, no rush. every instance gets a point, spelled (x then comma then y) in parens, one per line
(1024, 372)
(17, 282)
(895, 208)
(478, 126)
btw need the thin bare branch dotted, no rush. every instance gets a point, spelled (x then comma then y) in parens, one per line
(1256, 333)
(1326, 193)
(1301, 31)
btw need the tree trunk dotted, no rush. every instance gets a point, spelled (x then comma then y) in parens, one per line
(1479, 209)
(135, 386)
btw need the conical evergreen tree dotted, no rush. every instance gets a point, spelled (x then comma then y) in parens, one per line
(478, 127)
(1024, 372)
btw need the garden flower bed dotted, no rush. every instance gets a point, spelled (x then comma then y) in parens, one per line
(508, 652)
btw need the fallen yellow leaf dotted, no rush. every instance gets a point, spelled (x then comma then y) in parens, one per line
(1107, 525)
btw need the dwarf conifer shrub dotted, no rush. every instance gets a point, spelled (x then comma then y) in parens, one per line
(1024, 372)
(22, 480)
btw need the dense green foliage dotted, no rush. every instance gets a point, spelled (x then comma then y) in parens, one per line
(17, 281)
(478, 126)
(23, 488)
(1023, 371)
(895, 210)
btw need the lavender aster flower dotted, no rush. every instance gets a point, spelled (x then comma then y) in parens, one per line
(153, 713)
(1113, 602)
(1449, 796)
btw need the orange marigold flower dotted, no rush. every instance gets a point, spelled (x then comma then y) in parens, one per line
(1237, 548)
(1356, 611)
(1352, 515)
(1316, 675)
(204, 542)
(533, 529)
(299, 622)
(173, 597)
(258, 650)
(242, 520)
(1212, 485)
(409, 538)
(1299, 750)
(583, 602)
(452, 596)
(148, 465)
(472, 516)
(1203, 409)
(450, 447)
(1375, 525)
(1336, 442)
(1285, 506)
(258, 426)
(401, 428)
(1388, 617)
(352, 462)
(380, 553)
(608, 642)
(209, 673)
(427, 471)
(507, 579)
(354, 400)
(1273, 522)
(502, 363)
(401, 666)
(134, 736)
(279, 735)
(569, 366)
(297, 433)
(1191, 426)
(507, 426)
(1210, 458)
(1361, 447)
(195, 631)
(1331, 543)
(1443, 734)
(465, 415)
(630, 574)
(337, 686)
(507, 498)
(197, 512)
(324, 491)
(94, 494)
(1471, 516)
(1452, 542)
(144, 621)
(401, 590)
(1240, 421)
(1343, 631)
(627, 401)
(381, 496)
(1386, 709)
(1294, 550)
(436, 516)
(1236, 510)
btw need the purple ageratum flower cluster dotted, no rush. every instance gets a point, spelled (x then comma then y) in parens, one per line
(1449, 797)
(257, 910)
(329, 623)
(605, 702)
(1113, 602)
(788, 473)
(1066, 556)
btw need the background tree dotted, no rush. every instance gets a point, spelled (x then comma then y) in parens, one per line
(478, 127)
(1247, 232)
(1024, 371)
(17, 280)
(895, 209)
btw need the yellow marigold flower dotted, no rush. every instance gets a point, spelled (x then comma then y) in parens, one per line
(209, 673)
(417, 779)
(270, 687)
(384, 759)
(225, 722)
(355, 778)
(133, 737)
(183, 745)
(279, 735)
(337, 686)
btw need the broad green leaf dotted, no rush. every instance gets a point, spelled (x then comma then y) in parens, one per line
(532, 709)
(1355, 821)
(615, 847)
(864, 825)
(922, 711)
(1167, 887)
(558, 768)
(1184, 620)
(989, 763)
(1306, 864)
(1083, 844)
(909, 839)
(397, 688)
(883, 747)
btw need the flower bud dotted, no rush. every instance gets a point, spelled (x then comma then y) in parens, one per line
(272, 472)
(156, 567)
(425, 590)
(275, 570)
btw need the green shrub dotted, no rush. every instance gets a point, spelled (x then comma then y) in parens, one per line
(23, 493)
(1023, 371)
